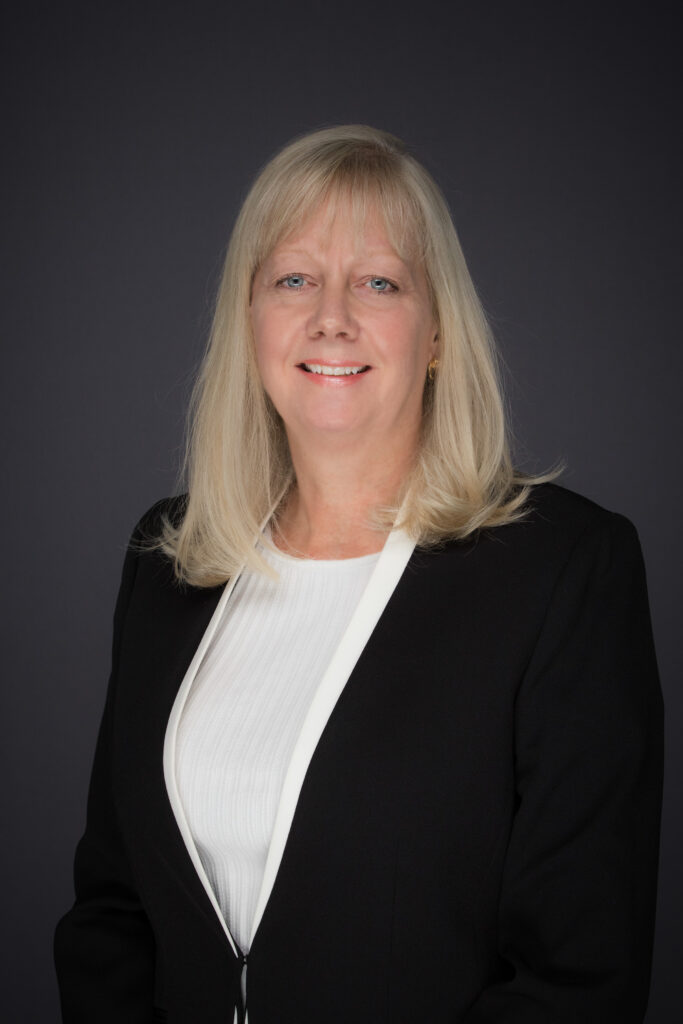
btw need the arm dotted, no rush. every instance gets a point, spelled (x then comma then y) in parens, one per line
(104, 946)
(576, 910)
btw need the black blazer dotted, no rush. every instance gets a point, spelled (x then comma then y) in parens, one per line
(476, 836)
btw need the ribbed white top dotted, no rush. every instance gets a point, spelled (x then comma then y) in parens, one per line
(245, 710)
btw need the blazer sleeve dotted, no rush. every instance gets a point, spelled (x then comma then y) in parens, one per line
(104, 946)
(577, 903)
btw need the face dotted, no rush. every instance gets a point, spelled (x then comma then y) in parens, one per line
(344, 331)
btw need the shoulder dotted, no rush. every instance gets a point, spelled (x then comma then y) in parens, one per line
(151, 523)
(562, 508)
(561, 521)
(146, 548)
(569, 544)
(562, 535)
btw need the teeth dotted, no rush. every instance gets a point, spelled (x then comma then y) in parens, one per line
(333, 371)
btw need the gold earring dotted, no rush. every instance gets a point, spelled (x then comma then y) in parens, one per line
(432, 367)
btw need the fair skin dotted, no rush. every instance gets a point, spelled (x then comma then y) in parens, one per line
(344, 332)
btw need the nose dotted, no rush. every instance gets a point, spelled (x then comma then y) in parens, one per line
(331, 316)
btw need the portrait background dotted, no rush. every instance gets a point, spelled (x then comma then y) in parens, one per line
(132, 131)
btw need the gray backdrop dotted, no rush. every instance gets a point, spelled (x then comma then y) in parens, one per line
(132, 131)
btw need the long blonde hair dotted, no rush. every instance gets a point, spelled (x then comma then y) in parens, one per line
(237, 465)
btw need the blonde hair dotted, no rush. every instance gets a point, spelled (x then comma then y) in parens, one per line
(237, 465)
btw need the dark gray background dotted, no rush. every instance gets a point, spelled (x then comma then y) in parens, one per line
(132, 132)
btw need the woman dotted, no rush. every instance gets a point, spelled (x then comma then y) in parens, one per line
(383, 736)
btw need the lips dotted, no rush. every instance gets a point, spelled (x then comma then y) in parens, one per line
(333, 371)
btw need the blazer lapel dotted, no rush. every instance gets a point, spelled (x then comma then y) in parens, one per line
(389, 569)
(390, 566)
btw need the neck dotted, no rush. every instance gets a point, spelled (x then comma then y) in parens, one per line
(328, 513)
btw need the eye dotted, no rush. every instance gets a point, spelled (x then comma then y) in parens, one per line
(381, 284)
(293, 282)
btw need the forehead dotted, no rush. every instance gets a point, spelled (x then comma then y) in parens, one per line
(332, 223)
(365, 209)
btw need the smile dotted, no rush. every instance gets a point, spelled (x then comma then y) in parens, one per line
(333, 371)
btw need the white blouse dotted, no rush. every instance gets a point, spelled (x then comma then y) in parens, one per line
(244, 712)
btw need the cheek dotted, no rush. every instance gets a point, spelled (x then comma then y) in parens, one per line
(267, 364)
(410, 344)
(267, 341)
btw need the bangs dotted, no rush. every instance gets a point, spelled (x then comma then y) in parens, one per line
(362, 182)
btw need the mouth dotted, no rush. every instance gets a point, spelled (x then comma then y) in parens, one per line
(333, 371)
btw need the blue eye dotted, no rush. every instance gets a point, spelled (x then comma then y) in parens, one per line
(293, 281)
(380, 284)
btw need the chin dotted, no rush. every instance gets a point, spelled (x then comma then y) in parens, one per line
(328, 424)
(332, 426)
